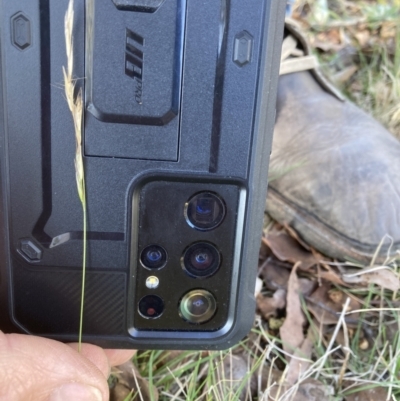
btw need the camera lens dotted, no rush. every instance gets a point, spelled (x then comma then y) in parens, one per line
(153, 257)
(151, 306)
(205, 211)
(198, 306)
(201, 259)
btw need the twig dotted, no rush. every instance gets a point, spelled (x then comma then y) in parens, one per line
(346, 350)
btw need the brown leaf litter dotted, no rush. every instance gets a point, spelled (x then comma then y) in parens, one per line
(292, 330)
(287, 249)
(308, 390)
(269, 306)
(371, 394)
(130, 382)
(231, 373)
(275, 274)
(382, 276)
(290, 273)
(326, 304)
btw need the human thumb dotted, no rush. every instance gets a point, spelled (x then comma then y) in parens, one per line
(38, 369)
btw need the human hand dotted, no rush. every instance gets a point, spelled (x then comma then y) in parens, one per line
(39, 369)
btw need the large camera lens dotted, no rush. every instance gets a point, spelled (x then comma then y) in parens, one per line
(151, 306)
(205, 211)
(198, 306)
(201, 259)
(153, 257)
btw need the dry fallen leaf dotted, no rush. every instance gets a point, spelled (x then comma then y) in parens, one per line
(232, 373)
(264, 253)
(328, 41)
(298, 366)
(330, 276)
(287, 249)
(336, 296)
(308, 390)
(383, 277)
(293, 233)
(268, 306)
(322, 305)
(272, 386)
(129, 377)
(363, 37)
(388, 30)
(372, 394)
(119, 392)
(344, 75)
(339, 339)
(275, 274)
(292, 329)
(307, 286)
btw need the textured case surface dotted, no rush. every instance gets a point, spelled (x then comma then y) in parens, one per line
(179, 98)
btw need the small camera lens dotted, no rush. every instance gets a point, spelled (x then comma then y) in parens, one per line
(205, 211)
(153, 257)
(151, 306)
(198, 306)
(201, 259)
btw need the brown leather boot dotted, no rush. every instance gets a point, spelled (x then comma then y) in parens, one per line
(335, 171)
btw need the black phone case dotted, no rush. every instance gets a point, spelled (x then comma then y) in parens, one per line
(179, 99)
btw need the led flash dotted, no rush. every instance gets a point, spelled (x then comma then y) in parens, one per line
(152, 282)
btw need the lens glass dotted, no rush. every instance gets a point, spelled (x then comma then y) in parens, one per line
(201, 259)
(151, 306)
(198, 306)
(205, 211)
(153, 257)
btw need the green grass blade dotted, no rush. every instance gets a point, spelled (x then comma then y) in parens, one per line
(83, 272)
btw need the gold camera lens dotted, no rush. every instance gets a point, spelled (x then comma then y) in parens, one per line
(198, 306)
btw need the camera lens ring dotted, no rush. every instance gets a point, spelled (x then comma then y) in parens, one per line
(197, 306)
(151, 307)
(205, 211)
(153, 257)
(201, 260)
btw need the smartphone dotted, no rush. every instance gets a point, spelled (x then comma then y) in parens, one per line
(179, 107)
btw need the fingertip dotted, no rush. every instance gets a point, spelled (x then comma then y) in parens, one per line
(119, 356)
(33, 365)
(96, 355)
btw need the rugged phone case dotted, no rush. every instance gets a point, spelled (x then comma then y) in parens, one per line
(179, 100)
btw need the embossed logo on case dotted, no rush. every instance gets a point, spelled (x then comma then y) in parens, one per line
(134, 61)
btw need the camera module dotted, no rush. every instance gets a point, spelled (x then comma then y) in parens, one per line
(198, 306)
(153, 257)
(151, 306)
(201, 260)
(205, 211)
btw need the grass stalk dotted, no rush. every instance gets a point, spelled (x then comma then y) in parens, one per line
(83, 272)
(75, 104)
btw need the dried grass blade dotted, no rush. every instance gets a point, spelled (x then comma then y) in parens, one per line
(75, 104)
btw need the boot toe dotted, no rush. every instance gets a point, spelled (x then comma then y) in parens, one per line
(334, 172)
